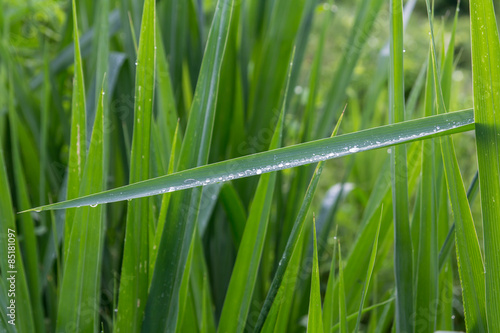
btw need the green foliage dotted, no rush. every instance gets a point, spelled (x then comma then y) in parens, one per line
(193, 112)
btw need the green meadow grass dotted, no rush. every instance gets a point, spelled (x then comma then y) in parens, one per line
(167, 166)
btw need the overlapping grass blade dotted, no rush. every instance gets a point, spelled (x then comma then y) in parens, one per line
(12, 271)
(369, 272)
(78, 307)
(329, 304)
(238, 298)
(292, 243)
(78, 142)
(29, 245)
(403, 251)
(315, 316)
(283, 158)
(470, 261)
(134, 280)
(485, 47)
(366, 15)
(165, 298)
(427, 260)
(343, 328)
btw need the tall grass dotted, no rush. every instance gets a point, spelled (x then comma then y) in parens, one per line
(211, 118)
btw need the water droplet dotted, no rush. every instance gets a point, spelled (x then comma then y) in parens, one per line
(136, 63)
(354, 149)
(189, 181)
(259, 171)
(404, 51)
(438, 127)
(171, 189)
(280, 165)
(94, 205)
(38, 210)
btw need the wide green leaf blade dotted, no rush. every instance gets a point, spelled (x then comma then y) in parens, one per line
(486, 86)
(135, 267)
(284, 158)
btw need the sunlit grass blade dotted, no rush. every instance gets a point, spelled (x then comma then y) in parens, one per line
(79, 300)
(403, 251)
(369, 272)
(135, 267)
(78, 143)
(314, 318)
(485, 47)
(292, 156)
(162, 311)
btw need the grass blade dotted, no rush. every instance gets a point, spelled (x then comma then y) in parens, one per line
(486, 87)
(292, 156)
(165, 297)
(427, 261)
(314, 320)
(369, 272)
(135, 268)
(238, 298)
(403, 252)
(78, 143)
(342, 302)
(470, 261)
(80, 289)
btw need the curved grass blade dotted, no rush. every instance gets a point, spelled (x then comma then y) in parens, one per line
(135, 268)
(486, 87)
(78, 142)
(315, 317)
(78, 308)
(162, 310)
(284, 158)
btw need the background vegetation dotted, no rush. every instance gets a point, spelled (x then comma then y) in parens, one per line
(368, 231)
